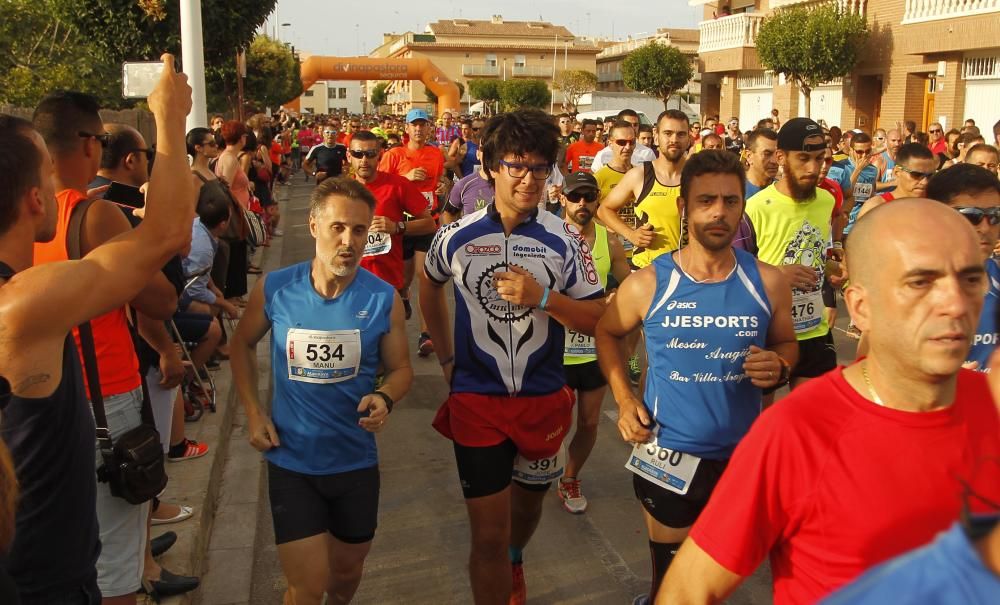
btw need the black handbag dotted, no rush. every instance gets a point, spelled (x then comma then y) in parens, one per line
(134, 464)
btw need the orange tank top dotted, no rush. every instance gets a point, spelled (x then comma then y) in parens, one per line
(117, 362)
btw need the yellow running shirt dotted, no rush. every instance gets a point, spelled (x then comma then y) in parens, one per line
(657, 206)
(790, 232)
(607, 179)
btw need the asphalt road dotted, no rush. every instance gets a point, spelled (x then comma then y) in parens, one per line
(421, 548)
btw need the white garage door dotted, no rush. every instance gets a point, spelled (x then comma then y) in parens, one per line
(754, 105)
(826, 104)
(982, 103)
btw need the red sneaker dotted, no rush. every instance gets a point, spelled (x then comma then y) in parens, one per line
(518, 591)
(192, 449)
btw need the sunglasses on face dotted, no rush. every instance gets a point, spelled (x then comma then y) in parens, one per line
(934, 131)
(104, 138)
(576, 197)
(976, 215)
(915, 173)
(150, 153)
(624, 142)
(361, 153)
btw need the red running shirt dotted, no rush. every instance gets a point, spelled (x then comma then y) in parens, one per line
(580, 155)
(394, 195)
(829, 484)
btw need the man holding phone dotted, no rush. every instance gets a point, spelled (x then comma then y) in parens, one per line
(858, 176)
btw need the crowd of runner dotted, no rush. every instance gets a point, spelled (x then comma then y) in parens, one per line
(694, 271)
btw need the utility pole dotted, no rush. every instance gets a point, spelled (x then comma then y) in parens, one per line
(193, 61)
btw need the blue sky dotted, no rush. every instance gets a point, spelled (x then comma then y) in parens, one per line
(353, 28)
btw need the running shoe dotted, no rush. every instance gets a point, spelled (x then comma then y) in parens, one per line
(642, 599)
(572, 499)
(634, 371)
(424, 345)
(191, 449)
(277, 232)
(518, 591)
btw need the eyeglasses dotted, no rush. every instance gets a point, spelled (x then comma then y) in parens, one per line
(104, 138)
(519, 171)
(588, 197)
(150, 153)
(936, 131)
(976, 215)
(624, 142)
(915, 173)
(361, 153)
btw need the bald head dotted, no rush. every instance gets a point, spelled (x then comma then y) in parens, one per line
(901, 229)
(123, 140)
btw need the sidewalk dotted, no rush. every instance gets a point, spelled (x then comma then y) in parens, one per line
(223, 495)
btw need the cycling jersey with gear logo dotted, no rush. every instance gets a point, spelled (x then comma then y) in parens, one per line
(502, 348)
(324, 354)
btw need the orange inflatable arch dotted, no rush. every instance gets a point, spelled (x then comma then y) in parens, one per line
(317, 68)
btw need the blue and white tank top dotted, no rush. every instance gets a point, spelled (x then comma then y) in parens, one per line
(324, 354)
(985, 339)
(697, 337)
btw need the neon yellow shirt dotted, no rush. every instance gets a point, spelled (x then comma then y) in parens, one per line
(790, 232)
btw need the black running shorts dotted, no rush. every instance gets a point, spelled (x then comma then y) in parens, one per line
(817, 356)
(672, 509)
(344, 504)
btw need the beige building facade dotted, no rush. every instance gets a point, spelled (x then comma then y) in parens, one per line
(925, 61)
(609, 61)
(469, 49)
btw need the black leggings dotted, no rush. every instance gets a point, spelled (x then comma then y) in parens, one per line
(236, 276)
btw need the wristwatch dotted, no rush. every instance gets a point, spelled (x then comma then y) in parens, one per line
(401, 227)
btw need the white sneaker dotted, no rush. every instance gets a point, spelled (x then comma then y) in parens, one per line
(277, 232)
(642, 599)
(572, 499)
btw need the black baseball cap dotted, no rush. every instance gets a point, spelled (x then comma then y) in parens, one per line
(794, 132)
(580, 180)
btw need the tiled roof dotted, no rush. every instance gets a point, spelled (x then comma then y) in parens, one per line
(501, 28)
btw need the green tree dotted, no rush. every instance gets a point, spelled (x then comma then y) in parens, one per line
(574, 83)
(273, 75)
(657, 70)
(39, 53)
(433, 98)
(485, 89)
(136, 30)
(529, 92)
(811, 46)
(379, 96)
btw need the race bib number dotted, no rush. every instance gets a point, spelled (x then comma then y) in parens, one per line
(807, 310)
(579, 344)
(540, 471)
(862, 191)
(379, 243)
(667, 468)
(322, 357)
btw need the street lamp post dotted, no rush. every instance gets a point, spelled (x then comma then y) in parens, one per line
(193, 61)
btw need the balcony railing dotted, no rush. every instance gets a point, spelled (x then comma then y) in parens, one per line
(735, 31)
(614, 76)
(916, 11)
(849, 6)
(536, 71)
(480, 70)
